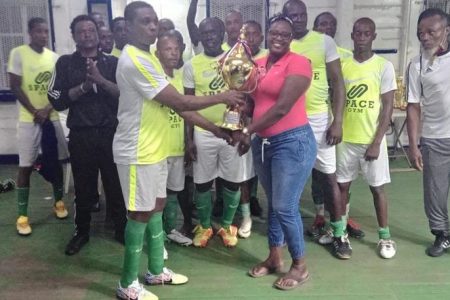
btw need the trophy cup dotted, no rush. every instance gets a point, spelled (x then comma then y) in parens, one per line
(240, 73)
(399, 95)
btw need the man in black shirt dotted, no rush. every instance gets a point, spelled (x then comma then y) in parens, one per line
(84, 82)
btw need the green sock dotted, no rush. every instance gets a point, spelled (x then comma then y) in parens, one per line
(57, 192)
(23, 194)
(245, 209)
(204, 207)
(383, 233)
(155, 244)
(170, 213)
(230, 204)
(338, 228)
(134, 241)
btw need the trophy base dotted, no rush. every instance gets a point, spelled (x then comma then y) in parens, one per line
(231, 127)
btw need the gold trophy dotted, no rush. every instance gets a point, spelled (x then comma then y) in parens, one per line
(240, 73)
(399, 95)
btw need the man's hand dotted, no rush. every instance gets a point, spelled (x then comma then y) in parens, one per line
(334, 134)
(416, 158)
(93, 74)
(40, 115)
(223, 134)
(232, 98)
(372, 152)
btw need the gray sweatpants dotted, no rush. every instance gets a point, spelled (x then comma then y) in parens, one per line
(436, 181)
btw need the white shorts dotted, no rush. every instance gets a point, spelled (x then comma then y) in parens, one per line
(29, 137)
(142, 184)
(326, 154)
(350, 160)
(249, 170)
(215, 158)
(175, 170)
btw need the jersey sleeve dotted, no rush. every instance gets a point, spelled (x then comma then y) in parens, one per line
(388, 82)
(188, 76)
(15, 63)
(413, 83)
(147, 80)
(331, 52)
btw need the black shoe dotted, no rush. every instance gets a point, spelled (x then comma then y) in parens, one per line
(76, 243)
(441, 243)
(354, 230)
(255, 209)
(342, 248)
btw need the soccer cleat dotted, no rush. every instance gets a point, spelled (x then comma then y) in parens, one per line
(317, 227)
(60, 210)
(228, 236)
(134, 291)
(179, 238)
(246, 228)
(201, 236)
(441, 243)
(326, 238)
(341, 247)
(166, 277)
(354, 229)
(22, 225)
(387, 248)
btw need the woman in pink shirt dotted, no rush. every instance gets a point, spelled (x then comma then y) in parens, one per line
(284, 149)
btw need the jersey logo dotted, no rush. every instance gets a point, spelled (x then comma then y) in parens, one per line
(217, 83)
(43, 77)
(357, 91)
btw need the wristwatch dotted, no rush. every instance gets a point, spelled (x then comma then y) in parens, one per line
(245, 131)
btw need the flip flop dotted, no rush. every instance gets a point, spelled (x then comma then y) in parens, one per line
(267, 271)
(290, 287)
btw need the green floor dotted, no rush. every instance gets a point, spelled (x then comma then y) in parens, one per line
(36, 267)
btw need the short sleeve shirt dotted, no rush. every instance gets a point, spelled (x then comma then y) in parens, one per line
(269, 89)
(429, 85)
(143, 124)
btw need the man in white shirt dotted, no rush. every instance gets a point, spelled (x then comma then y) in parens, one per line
(429, 105)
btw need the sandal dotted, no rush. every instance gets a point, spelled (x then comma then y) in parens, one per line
(263, 270)
(296, 283)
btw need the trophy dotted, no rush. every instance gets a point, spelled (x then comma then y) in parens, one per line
(240, 73)
(399, 95)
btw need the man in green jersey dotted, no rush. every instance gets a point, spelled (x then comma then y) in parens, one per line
(370, 85)
(29, 70)
(140, 149)
(326, 23)
(324, 117)
(212, 156)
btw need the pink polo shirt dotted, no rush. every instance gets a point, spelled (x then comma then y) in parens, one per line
(269, 89)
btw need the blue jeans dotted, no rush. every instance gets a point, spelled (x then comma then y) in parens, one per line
(283, 164)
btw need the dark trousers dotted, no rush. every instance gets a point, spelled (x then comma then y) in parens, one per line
(91, 151)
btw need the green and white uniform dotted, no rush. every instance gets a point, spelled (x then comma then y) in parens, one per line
(35, 70)
(139, 147)
(364, 84)
(320, 49)
(175, 140)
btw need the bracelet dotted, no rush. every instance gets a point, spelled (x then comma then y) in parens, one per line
(245, 131)
(81, 88)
